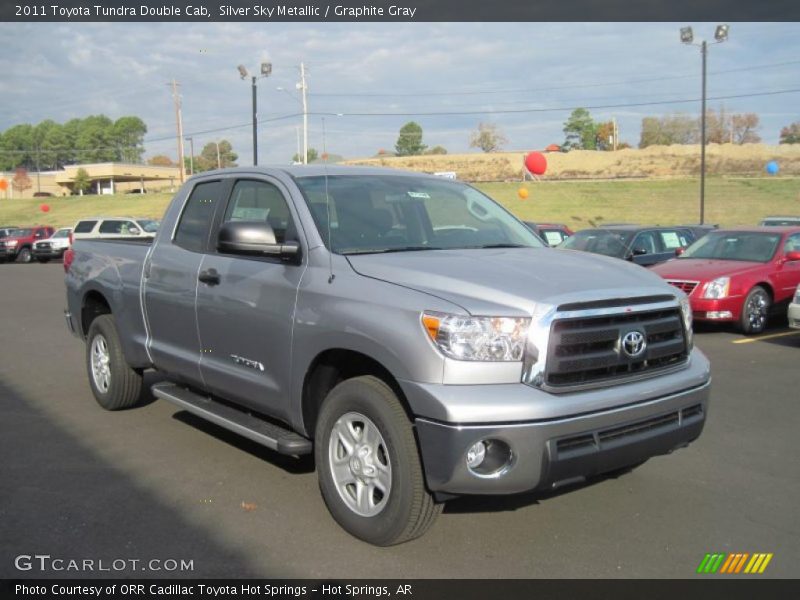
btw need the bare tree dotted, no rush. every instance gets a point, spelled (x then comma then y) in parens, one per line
(487, 137)
(744, 128)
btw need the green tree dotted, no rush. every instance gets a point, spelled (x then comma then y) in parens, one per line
(95, 141)
(208, 157)
(791, 134)
(670, 129)
(487, 137)
(161, 160)
(437, 150)
(128, 136)
(81, 182)
(17, 145)
(312, 156)
(580, 131)
(409, 142)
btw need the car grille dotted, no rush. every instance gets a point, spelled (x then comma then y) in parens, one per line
(43, 246)
(685, 286)
(589, 350)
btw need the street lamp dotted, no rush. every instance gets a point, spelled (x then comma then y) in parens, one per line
(266, 71)
(687, 37)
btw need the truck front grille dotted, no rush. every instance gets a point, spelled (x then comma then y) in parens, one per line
(590, 350)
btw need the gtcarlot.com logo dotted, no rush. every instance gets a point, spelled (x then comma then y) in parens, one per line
(734, 563)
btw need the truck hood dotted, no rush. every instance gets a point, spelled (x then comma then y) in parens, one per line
(704, 269)
(512, 281)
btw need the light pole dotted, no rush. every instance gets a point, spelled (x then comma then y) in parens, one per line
(191, 154)
(266, 70)
(687, 37)
(302, 86)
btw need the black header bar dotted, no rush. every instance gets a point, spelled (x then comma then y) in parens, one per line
(263, 11)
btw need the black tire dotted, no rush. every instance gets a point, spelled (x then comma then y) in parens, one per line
(124, 384)
(409, 510)
(755, 311)
(24, 255)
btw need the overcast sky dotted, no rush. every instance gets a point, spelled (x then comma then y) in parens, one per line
(61, 71)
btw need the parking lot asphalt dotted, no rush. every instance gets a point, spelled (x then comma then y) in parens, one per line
(77, 482)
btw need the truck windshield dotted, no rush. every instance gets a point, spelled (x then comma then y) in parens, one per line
(735, 245)
(367, 214)
(149, 225)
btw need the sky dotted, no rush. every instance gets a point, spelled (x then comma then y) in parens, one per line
(535, 72)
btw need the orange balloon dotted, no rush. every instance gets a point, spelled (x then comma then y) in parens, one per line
(3, 185)
(522, 193)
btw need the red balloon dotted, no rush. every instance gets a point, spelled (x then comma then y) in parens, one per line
(536, 163)
(44, 208)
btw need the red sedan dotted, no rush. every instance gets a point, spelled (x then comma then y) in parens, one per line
(739, 275)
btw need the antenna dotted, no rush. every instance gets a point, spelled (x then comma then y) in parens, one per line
(330, 239)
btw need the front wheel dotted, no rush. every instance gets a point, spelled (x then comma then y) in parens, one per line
(24, 255)
(755, 311)
(368, 465)
(114, 384)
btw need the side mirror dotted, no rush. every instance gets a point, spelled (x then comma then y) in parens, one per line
(679, 251)
(792, 256)
(255, 238)
(134, 231)
(639, 251)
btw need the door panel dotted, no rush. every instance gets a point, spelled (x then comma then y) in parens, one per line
(787, 274)
(245, 321)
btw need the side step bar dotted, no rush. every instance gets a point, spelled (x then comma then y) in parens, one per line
(258, 430)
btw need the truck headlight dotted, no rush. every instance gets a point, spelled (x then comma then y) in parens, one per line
(12, 243)
(686, 312)
(477, 338)
(718, 288)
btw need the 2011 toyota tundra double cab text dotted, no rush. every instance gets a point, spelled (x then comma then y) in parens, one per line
(406, 329)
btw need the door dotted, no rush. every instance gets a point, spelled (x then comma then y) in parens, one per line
(646, 242)
(170, 286)
(245, 316)
(787, 274)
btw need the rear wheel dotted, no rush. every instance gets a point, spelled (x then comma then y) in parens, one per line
(114, 384)
(755, 311)
(368, 465)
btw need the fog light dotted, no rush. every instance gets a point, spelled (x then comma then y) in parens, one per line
(476, 454)
(489, 458)
(719, 314)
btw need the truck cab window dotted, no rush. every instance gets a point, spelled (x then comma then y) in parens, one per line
(195, 223)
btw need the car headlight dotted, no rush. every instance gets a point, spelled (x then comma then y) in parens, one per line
(718, 288)
(12, 243)
(477, 338)
(686, 312)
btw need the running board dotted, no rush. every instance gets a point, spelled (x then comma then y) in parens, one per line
(258, 430)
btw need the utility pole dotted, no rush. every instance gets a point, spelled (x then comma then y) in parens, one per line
(304, 89)
(614, 133)
(219, 163)
(297, 133)
(38, 171)
(255, 125)
(704, 52)
(176, 99)
(191, 155)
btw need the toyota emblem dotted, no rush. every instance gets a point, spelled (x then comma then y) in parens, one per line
(633, 344)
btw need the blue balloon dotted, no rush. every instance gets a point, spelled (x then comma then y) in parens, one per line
(772, 167)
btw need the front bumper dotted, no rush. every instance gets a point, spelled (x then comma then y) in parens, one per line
(8, 252)
(794, 316)
(51, 253)
(720, 309)
(548, 452)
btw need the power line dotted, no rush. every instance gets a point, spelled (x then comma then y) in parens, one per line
(546, 89)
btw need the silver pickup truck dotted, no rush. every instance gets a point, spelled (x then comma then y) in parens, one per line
(406, 329)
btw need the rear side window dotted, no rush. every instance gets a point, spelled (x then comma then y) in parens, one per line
(195, 223)
(85, 226)
(113, 227)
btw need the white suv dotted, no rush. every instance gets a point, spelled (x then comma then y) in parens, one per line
(114, 227)
(52, 247)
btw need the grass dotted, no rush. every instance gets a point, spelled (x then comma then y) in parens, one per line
(729, 202)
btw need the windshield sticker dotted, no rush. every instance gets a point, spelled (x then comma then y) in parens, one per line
(421, 195)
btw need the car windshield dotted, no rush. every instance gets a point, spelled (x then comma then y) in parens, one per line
(599, 241)
(61, 233)
(749, 246)
(149, 225)
(780, 222)
(395, 213)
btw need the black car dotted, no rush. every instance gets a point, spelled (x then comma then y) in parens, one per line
(643, 245)
(551, 234)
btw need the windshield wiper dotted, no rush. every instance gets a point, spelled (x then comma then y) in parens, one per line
(505, 245)
(388, 250)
